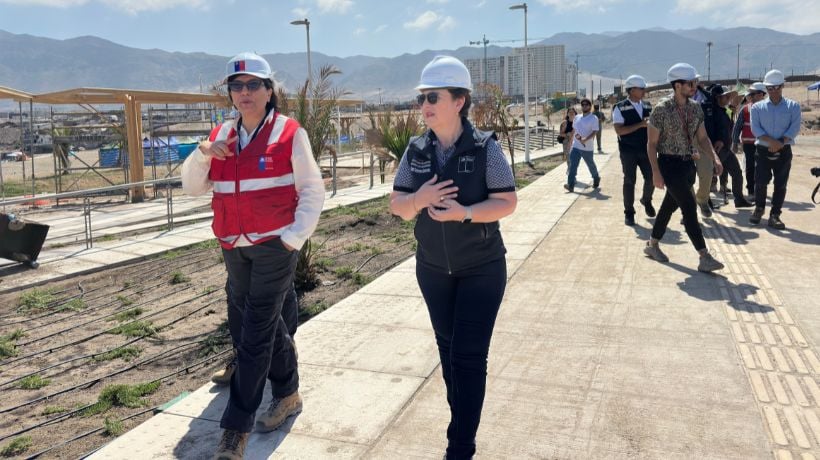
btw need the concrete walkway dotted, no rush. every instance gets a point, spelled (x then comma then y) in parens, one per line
(598, 352)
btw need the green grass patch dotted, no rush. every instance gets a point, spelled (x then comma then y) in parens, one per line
(344, 272)
(210, 289)
(107, 238)
(360, 279)
(74, 305)
(33, 382)
(113, 427)
(209, 244)
(121, 395)
(355, 247)
(213, 345)
(124, 300)
(124, 353)
(51, 410)
(128, 315)
(177, 277)
(171, 255)
(323, 263)
(135, 329)
(127, 284)
(374, 251)
(314, 309)
(35, 300)
(342, 211)
(16, 447)
(7, 346)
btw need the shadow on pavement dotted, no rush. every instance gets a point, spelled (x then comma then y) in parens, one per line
(695, 290)
(741, 221)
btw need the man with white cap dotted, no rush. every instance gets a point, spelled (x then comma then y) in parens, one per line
(675, 131)
(775, 125)
(267, 197)
(742, 133)
(630, 117)
(718, 128)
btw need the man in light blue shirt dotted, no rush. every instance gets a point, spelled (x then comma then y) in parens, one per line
(775, 123)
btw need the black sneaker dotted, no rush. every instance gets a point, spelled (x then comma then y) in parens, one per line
(649, 209)
(705, 209)
(776, 223)
(754, 219)
(568, 187)
(596, 182)
(742, 203)
(629, 219)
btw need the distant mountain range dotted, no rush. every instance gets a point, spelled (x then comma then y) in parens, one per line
(37, 64)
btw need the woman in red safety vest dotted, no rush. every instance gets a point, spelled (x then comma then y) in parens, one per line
(267, 197)
(742, 134)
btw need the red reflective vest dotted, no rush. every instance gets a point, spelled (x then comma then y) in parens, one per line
(254, 192)
(746, 135)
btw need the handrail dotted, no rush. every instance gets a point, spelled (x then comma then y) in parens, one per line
(91, 191)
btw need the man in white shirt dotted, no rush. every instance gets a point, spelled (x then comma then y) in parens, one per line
(630, 119)
(584, 128)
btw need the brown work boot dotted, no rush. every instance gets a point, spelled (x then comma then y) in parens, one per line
(278, 411)
(232, 446)
(223, 376)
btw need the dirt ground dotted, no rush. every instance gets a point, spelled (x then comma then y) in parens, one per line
(170, 311)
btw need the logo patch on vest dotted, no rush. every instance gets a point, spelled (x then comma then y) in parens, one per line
(266, 163)
(420, 166)
(466, 164)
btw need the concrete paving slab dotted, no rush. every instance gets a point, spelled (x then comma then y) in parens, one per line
(378, 310)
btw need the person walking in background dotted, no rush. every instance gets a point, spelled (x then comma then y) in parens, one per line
(675, 130)
(742, 134)
(775, 125)
(455, 181)
(630, 117)
(565, 132)
(705, 165)
(267, 197)
(718, 128)
(584, 128)
(601, 120)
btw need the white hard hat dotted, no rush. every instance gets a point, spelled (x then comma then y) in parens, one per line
(248, 64)
(635, 81)
(773, 78)
(756, 86)
(445, 72)
(681, 71)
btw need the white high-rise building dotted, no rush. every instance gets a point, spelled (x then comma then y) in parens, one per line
(495, 73)
(547, 71)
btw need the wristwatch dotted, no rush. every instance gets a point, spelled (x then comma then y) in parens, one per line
(468, 217)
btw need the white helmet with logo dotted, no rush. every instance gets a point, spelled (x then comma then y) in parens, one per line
(248, 64)
(445, 72)
(774, 78)
(635, 81)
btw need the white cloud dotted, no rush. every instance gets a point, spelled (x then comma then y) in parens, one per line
(447, 23)
(481, 4)
(796, 15)
(359, 31)
(440, 2)
(334, 6)
(381, 28)
(427, 19)
(300, 12)
(128, 6)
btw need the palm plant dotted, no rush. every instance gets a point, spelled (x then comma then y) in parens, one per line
(390, 134)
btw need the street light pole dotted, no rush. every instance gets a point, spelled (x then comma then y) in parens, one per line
(523, 6)
(306, 23)
(484, 42)
(709, 61)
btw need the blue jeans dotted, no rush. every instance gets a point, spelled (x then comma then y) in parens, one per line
(575, 156)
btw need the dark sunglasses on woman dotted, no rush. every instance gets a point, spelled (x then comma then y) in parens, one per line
(432, 98)
(252, 85)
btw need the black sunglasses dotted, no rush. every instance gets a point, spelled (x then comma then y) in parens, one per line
(432, 98)
(586, 104)
(252, 85)
(774, 87)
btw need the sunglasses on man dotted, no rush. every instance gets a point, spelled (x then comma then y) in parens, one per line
(431, 97)
(236, 86)
(774, 87)
(586, 104)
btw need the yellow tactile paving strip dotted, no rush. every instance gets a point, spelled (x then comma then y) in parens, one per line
(782, 367)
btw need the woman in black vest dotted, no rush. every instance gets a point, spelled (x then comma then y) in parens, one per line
(455, 181)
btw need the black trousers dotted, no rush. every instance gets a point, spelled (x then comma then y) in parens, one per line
(749, 152)
(767, 168)
(631, 161)
(679, 176)
(259, 279)
(732, 167)
(463, 308)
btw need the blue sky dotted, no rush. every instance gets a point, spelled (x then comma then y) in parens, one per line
(376, 27)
